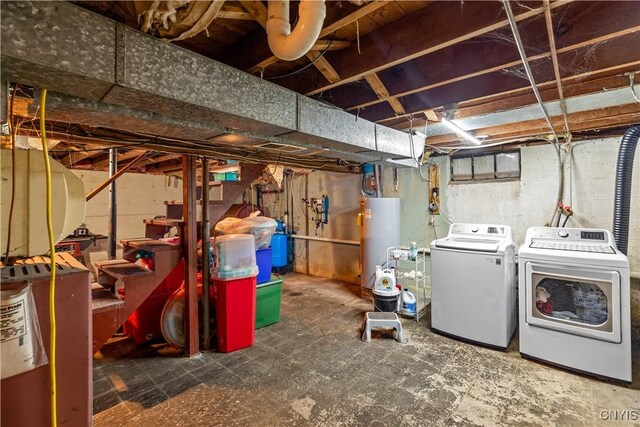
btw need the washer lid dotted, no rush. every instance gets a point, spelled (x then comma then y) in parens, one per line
(467, 244)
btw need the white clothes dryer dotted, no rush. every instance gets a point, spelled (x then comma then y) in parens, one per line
(575, 301)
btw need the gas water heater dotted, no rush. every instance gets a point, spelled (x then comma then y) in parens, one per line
(380, 220)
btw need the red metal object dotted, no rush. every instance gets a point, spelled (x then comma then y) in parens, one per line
(70, 247)
(138, 282)
(144, 324)
(235, 313)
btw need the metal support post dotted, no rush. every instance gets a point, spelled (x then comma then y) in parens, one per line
(113, 204)
(206, 250)
(189, 241)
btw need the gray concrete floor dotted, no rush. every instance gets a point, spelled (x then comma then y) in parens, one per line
(312, 369)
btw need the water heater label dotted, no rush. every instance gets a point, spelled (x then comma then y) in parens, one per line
(367, 213)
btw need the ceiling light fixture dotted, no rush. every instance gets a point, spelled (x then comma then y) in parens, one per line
(457, 129)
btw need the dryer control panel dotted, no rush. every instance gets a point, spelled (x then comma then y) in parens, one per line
(571, 239)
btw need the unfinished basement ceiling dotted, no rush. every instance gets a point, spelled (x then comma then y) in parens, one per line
(404, 64)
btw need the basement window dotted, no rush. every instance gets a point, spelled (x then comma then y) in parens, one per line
(485, 167)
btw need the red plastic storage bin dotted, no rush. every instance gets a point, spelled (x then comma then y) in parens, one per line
(235, 313)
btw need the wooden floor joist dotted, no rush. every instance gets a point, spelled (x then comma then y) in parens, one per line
(503, 66)
(587, 120)
(382, 92)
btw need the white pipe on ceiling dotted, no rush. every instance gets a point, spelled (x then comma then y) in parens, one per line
(284, 43)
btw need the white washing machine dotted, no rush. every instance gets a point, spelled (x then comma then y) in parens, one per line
(575, 301)
(473, 284)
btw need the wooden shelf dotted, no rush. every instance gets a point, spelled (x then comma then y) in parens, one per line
(166, 222)
(102, 300)
(150, 245)
(123, 269)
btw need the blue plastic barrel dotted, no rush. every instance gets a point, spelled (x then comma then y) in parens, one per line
(279, 248)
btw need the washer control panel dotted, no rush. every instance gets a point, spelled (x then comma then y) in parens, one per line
(473, 229)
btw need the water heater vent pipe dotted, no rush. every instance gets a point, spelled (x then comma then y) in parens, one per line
(284, 43)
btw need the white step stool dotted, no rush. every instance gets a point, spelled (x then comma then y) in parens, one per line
(382, 320)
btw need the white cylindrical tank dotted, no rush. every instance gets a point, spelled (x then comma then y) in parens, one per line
(380, 230)
(29, 222)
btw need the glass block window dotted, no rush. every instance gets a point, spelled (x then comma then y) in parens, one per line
(508, 165)
(461, 169)
(484, 167)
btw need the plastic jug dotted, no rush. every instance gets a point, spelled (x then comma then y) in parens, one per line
(385, 280)
(408, 307)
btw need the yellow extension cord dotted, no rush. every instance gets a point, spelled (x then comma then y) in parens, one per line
(52, 250)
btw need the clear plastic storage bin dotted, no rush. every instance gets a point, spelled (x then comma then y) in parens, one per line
(235, 256)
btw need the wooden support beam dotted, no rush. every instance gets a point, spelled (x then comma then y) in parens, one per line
(257, 10)
(77, 156)
(189, 241)
(318, 45)
(482, 66)
(323, 66)
(121, 158)
(330, 45)
(361, 12)
(111, 179)
(234, 12)
(159, 159)
(431, 115)
(516, 99)
(261, 14)
(576, 85)
(554, 60)
(586, 120)
(609, 58)
(404, 39)
(382, 92)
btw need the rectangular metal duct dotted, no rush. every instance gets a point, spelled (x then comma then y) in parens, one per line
(75, 52)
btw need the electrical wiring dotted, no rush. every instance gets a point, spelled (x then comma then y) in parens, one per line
(443, 214)
(12, 129)
(631, 86)
(414, 157)
(527, 68)
(52, 251)
(556, 67)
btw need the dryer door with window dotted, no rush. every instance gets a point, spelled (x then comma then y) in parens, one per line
(574, 300)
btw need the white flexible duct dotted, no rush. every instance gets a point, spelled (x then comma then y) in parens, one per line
(284, 43)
